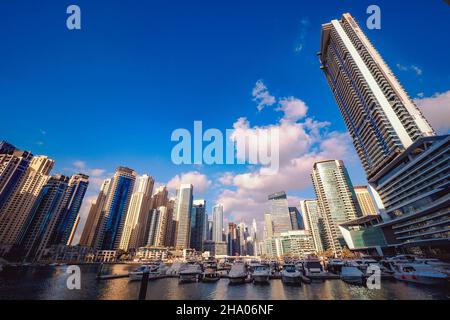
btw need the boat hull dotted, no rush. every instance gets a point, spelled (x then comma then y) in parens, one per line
(186, 278)
(237, 280)
(261, 278)
(420, 279)
(296, 280)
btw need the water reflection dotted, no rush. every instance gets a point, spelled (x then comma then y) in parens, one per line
(50, 283)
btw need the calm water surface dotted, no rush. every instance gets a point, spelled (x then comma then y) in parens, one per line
(50, 283)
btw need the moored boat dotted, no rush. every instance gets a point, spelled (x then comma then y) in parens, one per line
(419, 273)
(261, 274)
(352, 275)
(190, 272)
(238, 273)
(290, 275)
(210, 275)
(152, 270)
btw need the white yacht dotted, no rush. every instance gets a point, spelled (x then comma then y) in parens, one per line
(238, 273)
(174, 269)
(419, 273)
(153, 272)
(261, 274)
(190, 272)
(352, 275)
(290, 274)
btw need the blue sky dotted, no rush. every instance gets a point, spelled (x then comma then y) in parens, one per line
(112, 93)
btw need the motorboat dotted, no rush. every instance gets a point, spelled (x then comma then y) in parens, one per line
(174, 269)
(335, 265)
(155, 270)
(190, 272)
(261, 274)
(238, 273)
(352, 275)
(419, 273)
(253, 263)
(437, 264)
(290, 274)
(210, 275)
(312, 268)
(136, 275)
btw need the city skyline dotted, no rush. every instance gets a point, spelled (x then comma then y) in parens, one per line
(420, 73)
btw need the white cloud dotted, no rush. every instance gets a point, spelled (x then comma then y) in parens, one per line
(79, 164)
(262, 96)
(197, 179)
(294, 109)
(304, 26)
(302, 142)
(437, 111)
(417, 70)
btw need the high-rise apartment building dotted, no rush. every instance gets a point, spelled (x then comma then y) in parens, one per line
(73, 198)
(90, 235)
(314, 222)
(365, 200)
(115, 209)
(336, 200)
(281, 219)
(268, 226)
(13, 166)
(41, 222)
(183, 207)
(406, 164)
(18, 206)
(381, 118)
(217, 216)
(137, 214)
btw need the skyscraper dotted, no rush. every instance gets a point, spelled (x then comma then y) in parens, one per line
(18, 206)
(314, 223)
(217, 215)
(158, 227)
(90, 235)
(73, 198)
(281, 219)
(170, 228)
(295, 218)
(336, 200)
(380, 116)
(404, 160)
(365, 200)
(233, 245)
(198, 216)
(116, 206)
(42, 220)
(268, 226)
(137, 214)
(13, 165)
(183, 207)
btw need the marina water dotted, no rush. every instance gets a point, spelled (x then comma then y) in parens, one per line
(50, 283)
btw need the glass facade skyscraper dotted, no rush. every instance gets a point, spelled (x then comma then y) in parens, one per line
(183, 207)
(116, 206)
(74, 196)
(281, 219)
(336, 200)
(198, 216)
